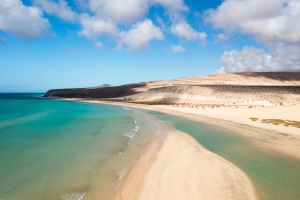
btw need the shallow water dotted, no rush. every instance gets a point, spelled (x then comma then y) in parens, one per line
(53, 149)
(276, 176)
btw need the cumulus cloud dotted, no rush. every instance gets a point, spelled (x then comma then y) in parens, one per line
(140, 35)
(280, 58)
(26, 22)
(177, 49)
(137, 37)
(106, 18)
(59, 9)
(275, 21)
(120, 11)
(185, 31)
(172, 5)
(93, 26)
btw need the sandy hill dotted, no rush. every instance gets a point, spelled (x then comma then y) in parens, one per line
(248, 88)
(242, 78)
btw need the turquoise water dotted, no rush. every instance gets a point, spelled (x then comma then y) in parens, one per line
(53, 149)
(276, 176)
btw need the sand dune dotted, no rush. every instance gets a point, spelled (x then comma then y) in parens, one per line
(220, 95)
(252, 88)
(246, 79)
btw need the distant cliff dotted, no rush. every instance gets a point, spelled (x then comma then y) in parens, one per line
(97, 92)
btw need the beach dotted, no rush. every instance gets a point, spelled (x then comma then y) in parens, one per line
(158, 175)
(237, 119)
(176, 166)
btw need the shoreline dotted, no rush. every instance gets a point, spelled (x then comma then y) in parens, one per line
(209, 176)
(279, 138)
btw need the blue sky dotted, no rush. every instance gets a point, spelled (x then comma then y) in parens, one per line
(48, 44)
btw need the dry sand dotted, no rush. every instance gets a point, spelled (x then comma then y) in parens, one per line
(182, 169)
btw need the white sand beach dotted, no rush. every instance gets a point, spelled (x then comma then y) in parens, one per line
(178, 167)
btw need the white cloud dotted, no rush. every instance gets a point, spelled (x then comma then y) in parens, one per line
(272, 21)
(140, 35)
(177, 49)
(137, 37)
(172, 5)
(120, 11)
(59, 9)
(99, 45)
(184, 30)
(280, 58)
(93, 27)
(26, 22)
(114, 18)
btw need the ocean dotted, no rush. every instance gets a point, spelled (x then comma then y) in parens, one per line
(54, 149)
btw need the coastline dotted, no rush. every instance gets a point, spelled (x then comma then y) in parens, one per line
(284, 139)
(209, 175)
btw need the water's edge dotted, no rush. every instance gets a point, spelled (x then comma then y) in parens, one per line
(274, 173)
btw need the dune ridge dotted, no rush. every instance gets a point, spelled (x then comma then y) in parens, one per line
(220, 95)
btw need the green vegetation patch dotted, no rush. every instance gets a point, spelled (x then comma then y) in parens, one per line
(281, 121)
(254, 119)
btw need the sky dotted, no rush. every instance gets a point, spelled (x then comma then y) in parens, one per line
(46, 44)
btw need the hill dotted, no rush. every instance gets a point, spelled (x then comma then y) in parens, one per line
(248, 88)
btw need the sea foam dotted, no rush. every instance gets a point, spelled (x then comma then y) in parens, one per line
(74, 196)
